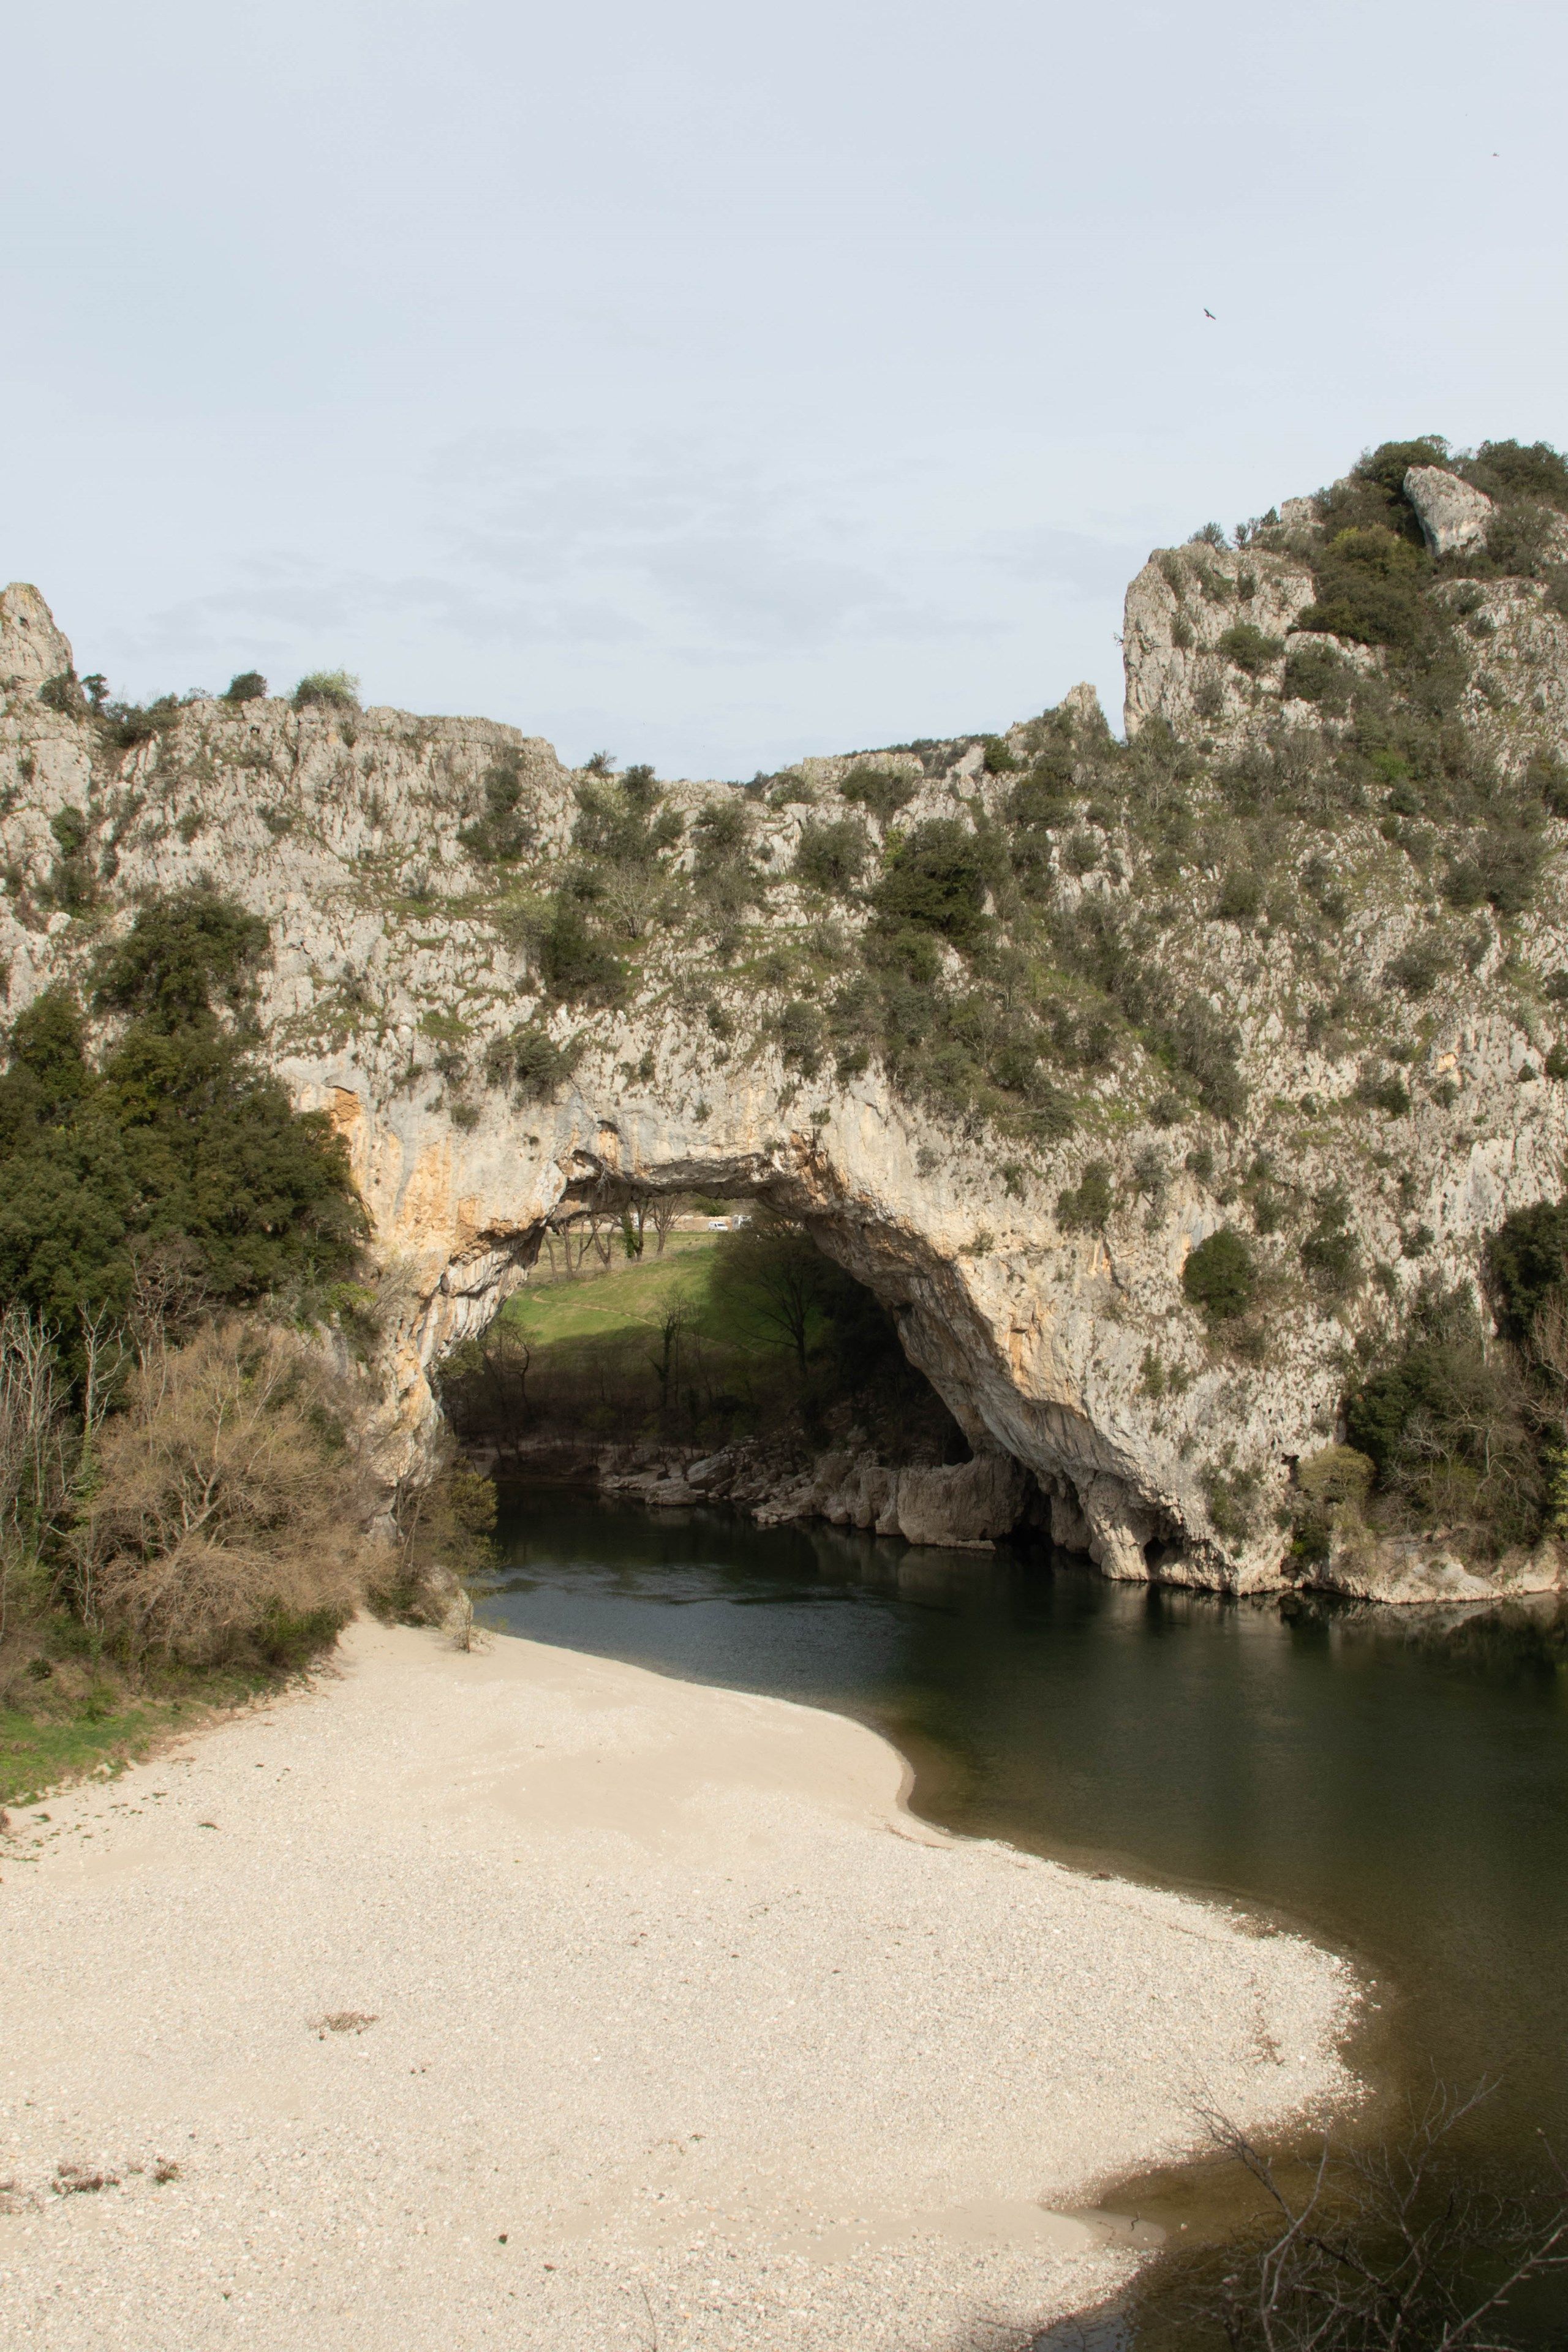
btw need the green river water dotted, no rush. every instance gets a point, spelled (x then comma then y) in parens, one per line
(1393, 1783)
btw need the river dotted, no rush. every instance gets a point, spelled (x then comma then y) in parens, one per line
(1394, 1783)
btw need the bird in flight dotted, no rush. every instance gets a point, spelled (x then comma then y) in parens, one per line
(1209, 314)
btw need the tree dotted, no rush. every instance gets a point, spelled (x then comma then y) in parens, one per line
(669, 1326)
(174, 1139)
(776, 1276)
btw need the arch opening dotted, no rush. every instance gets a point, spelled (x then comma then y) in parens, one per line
(725, 1333)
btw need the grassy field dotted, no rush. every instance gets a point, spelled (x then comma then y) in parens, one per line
(615, 1299)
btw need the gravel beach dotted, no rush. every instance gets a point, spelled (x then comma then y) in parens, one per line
(518, 1998)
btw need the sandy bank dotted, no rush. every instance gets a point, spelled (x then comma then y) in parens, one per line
(684, 2035)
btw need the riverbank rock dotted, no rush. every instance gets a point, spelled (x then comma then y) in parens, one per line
(963, 1504)
(1410, 1569)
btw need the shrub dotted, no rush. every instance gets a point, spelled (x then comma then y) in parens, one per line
(1014, 1065)
(1418, 968)
(997, 757)
(1232, 1499)
(1527, 1260)
(883, 791)
(1369, 584)
(63, 693)
(1548, 775)
(1448, 1423)
(935, 879)
(1331, 1254)
(1516, 469)
(622, 825)
(1088, 1206)
(126, 724)
(1220, 1276)
(530, 1059)
(832, 858)
(1321, 675)
(327, 689)
(173, 1134)
(1240, 898)
(1042, 796)
(576, 966)
(802, 1037)
(1380, 1091)
(1248, 649)
(1204, 1045)
(1502, 868)
(723, 832)
(224, 1517)
(507, 829)
(70, 883)
(246, 686)
(726, 874)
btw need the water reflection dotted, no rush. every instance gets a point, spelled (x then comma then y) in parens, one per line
(1394, 1781)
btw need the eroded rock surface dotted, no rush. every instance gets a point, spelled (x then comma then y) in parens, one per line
(1454, 514)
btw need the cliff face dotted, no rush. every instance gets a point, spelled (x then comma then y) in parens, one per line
(1222, 976)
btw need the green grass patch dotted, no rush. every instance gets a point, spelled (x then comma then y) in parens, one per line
(73, 1737)
(594, 1305)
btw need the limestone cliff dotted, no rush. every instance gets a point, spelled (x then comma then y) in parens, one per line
(1221, 975)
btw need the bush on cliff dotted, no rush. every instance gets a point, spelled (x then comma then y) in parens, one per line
(326, 690)
(508, 827)
(1369, 584)
(832, 858)
(935, 878)
(1458, 1432)
(1249, 649)
(1220, 1276)
(883, 791)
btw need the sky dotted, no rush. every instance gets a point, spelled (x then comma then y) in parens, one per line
(712, 385)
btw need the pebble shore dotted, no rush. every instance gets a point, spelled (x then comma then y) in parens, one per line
(518, 1998)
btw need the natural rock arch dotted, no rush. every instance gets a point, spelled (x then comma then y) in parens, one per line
(402, 958)
(452, 1289)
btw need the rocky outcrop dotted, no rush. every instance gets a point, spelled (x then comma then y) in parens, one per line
(1205, 636)
(1453, 514)
(32, 650)
(1061, 1341)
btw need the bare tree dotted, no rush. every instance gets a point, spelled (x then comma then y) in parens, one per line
(574, 1231)
(1399, 2247)
(168, 1293)
(775, 1274)
(504, 1365)
(37, 1449)
(663, 1209)
(669, 1327)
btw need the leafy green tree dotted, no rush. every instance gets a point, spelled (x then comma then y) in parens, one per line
(935, 879)
(173, 1134)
